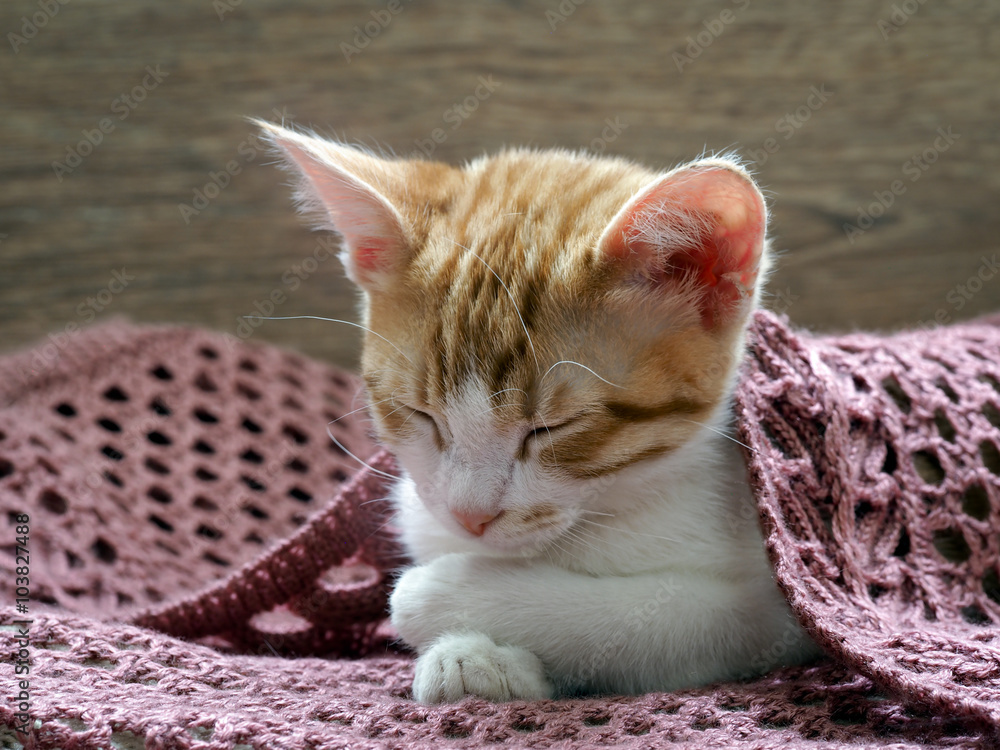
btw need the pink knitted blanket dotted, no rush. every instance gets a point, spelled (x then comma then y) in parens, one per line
(195, 563)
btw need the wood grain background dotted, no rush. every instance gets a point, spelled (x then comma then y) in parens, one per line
(891, 74)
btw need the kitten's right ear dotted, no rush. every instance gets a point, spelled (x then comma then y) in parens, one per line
(341, 185)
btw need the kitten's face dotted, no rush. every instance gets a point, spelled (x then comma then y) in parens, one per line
(539, 322)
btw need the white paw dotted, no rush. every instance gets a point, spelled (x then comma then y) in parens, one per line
(463, 664)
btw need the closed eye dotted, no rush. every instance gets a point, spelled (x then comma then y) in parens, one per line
(545, 431)
(429, 421)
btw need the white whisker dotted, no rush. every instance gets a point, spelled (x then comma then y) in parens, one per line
(362, 408)
(366, 465)
(337, 320)
(571, 362)
(629, 531)
(720, 433)
(490, 398)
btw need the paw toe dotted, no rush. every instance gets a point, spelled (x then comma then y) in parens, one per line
(472, 664)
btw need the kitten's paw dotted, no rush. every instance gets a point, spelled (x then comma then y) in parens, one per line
(463, 664)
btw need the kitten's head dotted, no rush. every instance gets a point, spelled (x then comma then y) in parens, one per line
(539, 320)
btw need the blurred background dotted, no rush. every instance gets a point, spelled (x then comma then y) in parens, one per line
(132, 185)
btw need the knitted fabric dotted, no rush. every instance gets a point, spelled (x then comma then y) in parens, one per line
(196, 540)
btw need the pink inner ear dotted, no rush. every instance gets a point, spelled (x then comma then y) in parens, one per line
(704, 227)
(334, 185)
(370, 257)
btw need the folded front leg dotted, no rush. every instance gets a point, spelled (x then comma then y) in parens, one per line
(505, 629)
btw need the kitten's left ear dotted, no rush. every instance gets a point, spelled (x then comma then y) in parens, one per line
(698, 230)
(341, 185)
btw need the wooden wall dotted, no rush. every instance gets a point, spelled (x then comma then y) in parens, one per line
(837, 102)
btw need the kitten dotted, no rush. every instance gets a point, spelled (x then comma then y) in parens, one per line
(554, 339)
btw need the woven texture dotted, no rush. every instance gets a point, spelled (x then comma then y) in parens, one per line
(196, 535)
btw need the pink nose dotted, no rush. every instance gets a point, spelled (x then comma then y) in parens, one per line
(475, 523)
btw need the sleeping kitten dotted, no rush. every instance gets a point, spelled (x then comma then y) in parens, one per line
(554, 339)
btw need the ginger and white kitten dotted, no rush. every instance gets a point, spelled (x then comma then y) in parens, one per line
(554, 340)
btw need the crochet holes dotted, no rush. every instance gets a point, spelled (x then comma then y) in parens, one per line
(202, 447)
(903, 545)
(208, 352)
(295, 434)
(114, 393)
(976, 503)
(298, 466)
(160, 523)
(250, 394)
(205, 416)
(66, 410)
(292, 403)
(209, 532)
(248, 366)
(113, 453)
(156, 467)
(891, 386)
(944, 426)
(161, 373)
(204, 383)
(203, 503)
(928, 467)
(991, 381)
(890, 463)
(527, 725)
(991, 457)
(951, 544)
(991, 585)
(109, 424)
(252, 456)
(299, 494)
(947, 390)
(250, 426)
(6, 468)
(53, 502)
(775, 437)
(252, 483)
(160, 495)
(158, 438)
(159, 407)
(974, 615)
(279, 620)
(992, 414)
(103, 551)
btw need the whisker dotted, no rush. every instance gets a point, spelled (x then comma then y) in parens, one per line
(598, 513)
(505, 390)
(513, 301)
(366, 465)
(574, 534)
(720, 433)
(337, 320)
(362, 408)
(629, 531)
(571, 362)
(490, 398)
